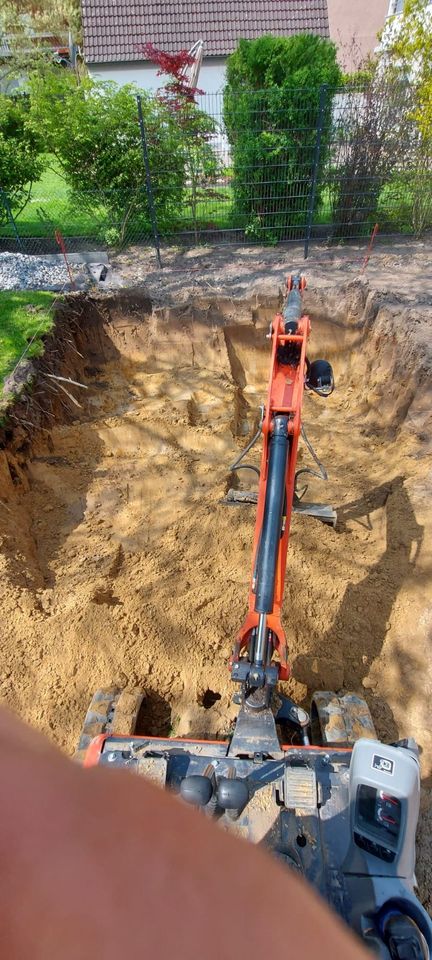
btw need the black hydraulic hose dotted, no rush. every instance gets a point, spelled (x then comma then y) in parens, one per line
(272, 520)
(235, 466)
(293, 306)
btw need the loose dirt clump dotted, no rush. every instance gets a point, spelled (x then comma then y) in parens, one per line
(120, 566)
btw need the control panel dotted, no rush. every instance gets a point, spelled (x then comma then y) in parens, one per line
(384, 793)
(378, 821)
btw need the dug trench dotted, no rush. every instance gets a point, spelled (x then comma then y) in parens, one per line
(120, 565)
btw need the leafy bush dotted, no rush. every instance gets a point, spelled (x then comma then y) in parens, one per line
(406, 53)
(92, 129)
(405, 203)
(406, 59)
(373, 137)
(112, 237)
(20, 153)
(271, 107)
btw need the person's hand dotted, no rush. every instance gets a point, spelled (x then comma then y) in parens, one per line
(100, 864)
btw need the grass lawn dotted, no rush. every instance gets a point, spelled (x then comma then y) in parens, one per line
(212, 211)
(23, 314)
(50, 208)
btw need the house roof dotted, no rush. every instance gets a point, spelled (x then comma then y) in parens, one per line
(29, 42)
(113, 28)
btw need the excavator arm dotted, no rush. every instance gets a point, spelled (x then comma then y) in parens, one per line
(259, 659)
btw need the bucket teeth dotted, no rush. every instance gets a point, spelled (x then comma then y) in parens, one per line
(240, 496)
(320, 511)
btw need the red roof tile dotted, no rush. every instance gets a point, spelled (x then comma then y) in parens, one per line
(113, 28)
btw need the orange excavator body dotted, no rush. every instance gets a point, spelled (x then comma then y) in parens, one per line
(285, 396)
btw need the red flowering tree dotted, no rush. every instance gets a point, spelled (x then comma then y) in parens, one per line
(180, 96)
(177, 92)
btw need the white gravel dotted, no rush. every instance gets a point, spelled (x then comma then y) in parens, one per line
(89, 269)
(21, 272)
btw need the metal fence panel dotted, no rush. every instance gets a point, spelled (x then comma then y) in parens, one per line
(277, 165)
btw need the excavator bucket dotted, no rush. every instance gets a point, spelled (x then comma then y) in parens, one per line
(319, 511)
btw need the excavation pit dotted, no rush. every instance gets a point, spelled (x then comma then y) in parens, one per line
(121, 566)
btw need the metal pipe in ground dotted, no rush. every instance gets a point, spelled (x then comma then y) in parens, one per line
(316, 161)
(150, 198)
(60, 241)
(370, 245)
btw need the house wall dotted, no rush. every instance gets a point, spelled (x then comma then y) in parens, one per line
(211, 78)
(348, 19)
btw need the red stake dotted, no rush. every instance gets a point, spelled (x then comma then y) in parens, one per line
(369, 249)
(61, 243)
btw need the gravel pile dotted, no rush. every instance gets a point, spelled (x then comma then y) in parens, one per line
(21, 272)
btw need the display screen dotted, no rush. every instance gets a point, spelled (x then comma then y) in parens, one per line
(379, 814)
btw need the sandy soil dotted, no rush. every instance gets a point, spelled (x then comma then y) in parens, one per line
(120, 565)
(402, 269)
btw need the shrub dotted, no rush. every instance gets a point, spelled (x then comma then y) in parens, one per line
(92, 128)
(271, 107)
(20, 154)
(406, 52)
(405, 203)
(406, 57)
(372, 139)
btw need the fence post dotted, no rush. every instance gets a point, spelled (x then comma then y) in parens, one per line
(316, 160)
(11, 218)
(149, 189)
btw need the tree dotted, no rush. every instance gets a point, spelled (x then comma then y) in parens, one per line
(406, 56)
(272, 109)
(92, 129)
(197, 128)
(21, 26)
(21, 149)
(372, 138)
(177, 91)
(18, 16)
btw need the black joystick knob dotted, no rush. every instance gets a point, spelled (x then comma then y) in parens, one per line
(196, 790)
(232, 794)
(320, 378)
(403, 938)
